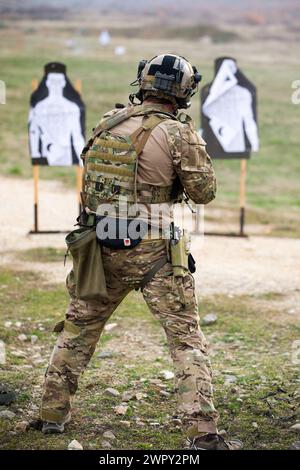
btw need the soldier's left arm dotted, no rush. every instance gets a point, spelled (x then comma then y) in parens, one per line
(193, 164)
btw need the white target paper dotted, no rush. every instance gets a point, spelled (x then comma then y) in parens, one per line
(56, 129)
(229, 111)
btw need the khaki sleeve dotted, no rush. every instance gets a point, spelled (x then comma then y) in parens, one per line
(192, 163)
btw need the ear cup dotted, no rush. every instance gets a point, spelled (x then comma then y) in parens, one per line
(197, 75)
(141, 67)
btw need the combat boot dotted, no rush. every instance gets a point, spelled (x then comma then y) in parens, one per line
(55, 428)
(214, 442)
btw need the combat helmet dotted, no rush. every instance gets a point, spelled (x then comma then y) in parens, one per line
(167, 76)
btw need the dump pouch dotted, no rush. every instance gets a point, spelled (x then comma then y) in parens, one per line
(88, 268)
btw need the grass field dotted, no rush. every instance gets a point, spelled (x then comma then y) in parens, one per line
(259, 407)
(273, 176)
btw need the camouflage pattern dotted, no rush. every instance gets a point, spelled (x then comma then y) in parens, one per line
(85, 321)
(191, 161)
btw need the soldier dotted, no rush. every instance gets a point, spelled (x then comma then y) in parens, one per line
(148, 156)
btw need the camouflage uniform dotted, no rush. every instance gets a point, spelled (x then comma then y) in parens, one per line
(124, 270)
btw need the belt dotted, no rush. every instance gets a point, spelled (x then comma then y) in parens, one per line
(90, 220)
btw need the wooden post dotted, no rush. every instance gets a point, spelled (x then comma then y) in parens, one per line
(35, 169)
(79, 169)
(34, 84)
(196, 217)
(78, 85)
(36, 197)
(243, 195)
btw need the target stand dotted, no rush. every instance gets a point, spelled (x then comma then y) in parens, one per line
(36, 171)
(242, 219)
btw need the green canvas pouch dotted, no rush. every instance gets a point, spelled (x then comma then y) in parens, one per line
(88, 268)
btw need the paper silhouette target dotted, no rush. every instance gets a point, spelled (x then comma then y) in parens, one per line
(229, 117)
(56, 120)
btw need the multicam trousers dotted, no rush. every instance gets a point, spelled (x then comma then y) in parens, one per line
(81, 330)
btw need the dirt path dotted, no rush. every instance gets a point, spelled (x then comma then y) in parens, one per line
(225, 265)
